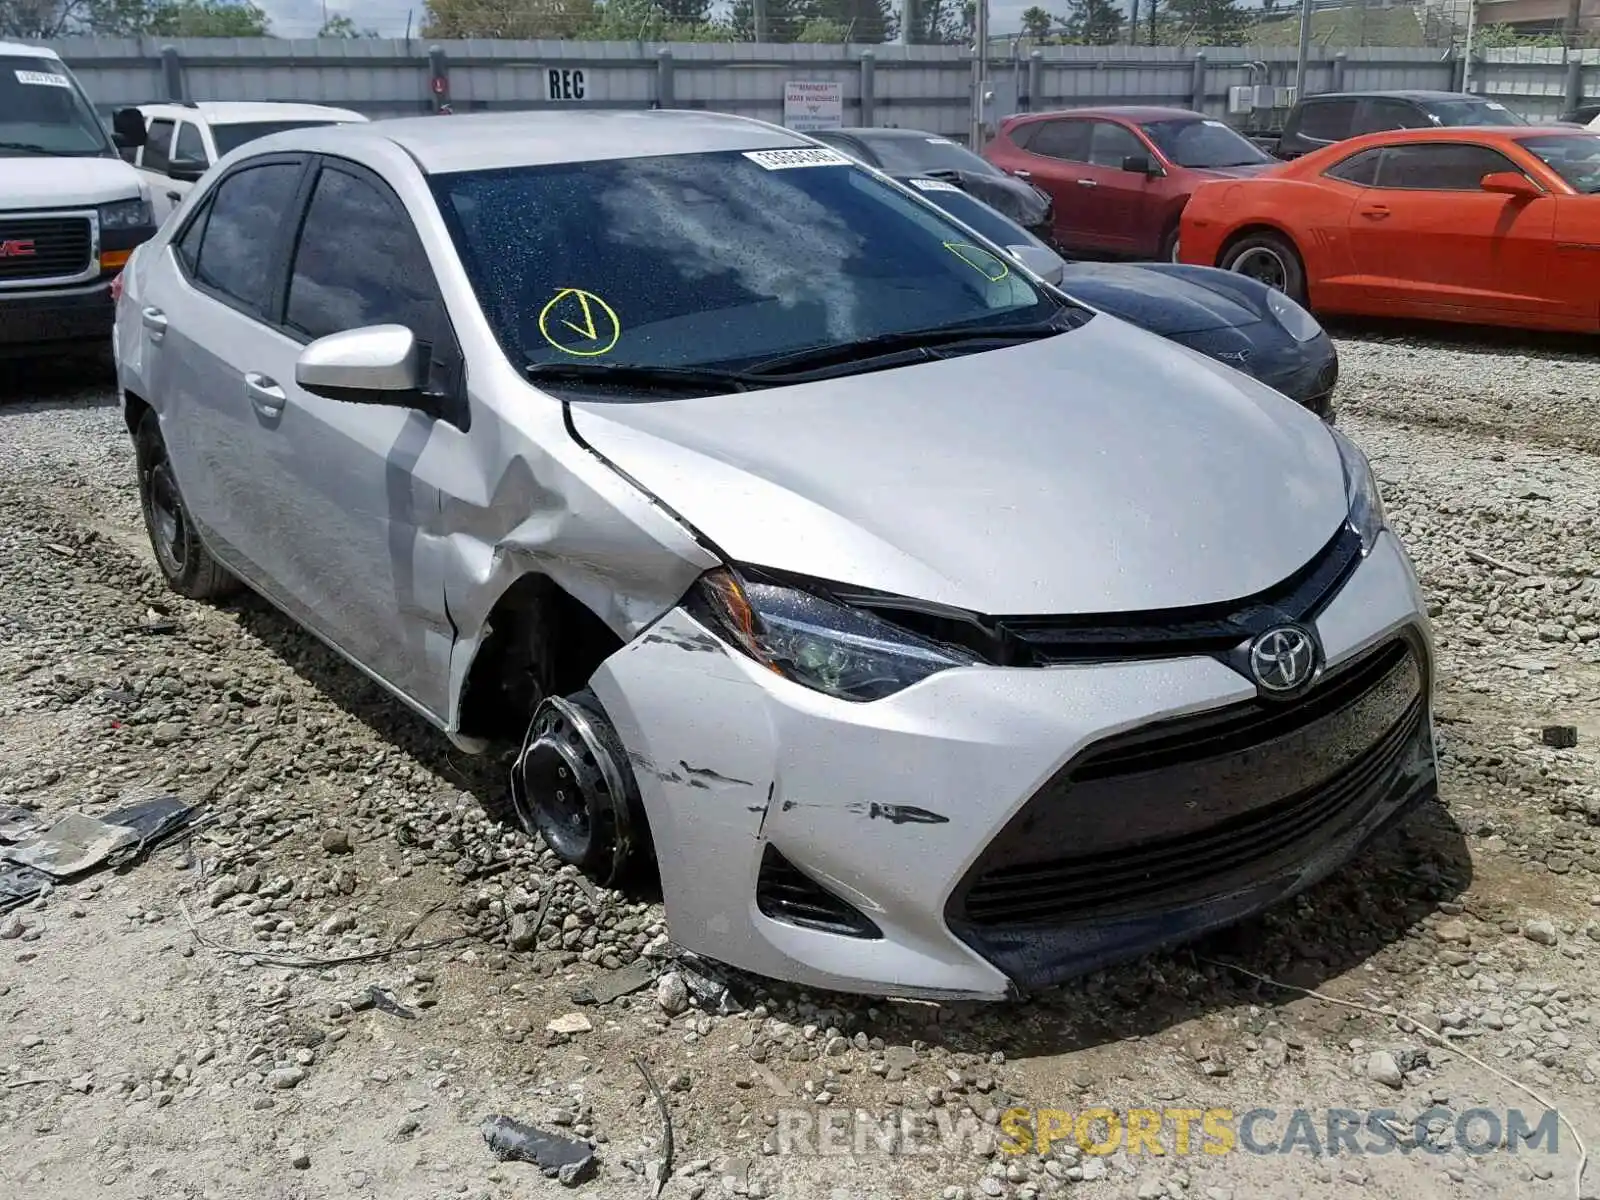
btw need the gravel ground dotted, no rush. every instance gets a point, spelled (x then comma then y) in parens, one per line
(194, 1026)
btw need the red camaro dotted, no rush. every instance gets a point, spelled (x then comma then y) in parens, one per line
(1493, 225)
(1121, 176)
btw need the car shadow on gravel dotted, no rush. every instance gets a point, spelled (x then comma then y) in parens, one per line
(89, 381)
(1489, 339)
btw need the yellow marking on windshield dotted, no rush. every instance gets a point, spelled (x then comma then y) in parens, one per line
(596, 322)
(975, 257)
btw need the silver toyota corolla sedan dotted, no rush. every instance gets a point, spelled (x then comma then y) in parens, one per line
(929, 633)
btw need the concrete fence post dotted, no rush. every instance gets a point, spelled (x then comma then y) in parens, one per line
(666, 97)
(1031, 102)
(1197, 84)
(439, 79)
(1574, 83)
(1339, 61)
(869, 84)
(172, 74)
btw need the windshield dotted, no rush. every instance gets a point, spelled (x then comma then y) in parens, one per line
(1203, 143)
(1576, 158)
(716, 260)
(42, 111)
(969, 210)
(916, 155)
(1471, 112)
(231, 137)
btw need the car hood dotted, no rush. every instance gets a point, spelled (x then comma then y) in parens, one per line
(1245, 172)
(1160, 302)
(38, 181)
(1022, 202)
(1099, 471)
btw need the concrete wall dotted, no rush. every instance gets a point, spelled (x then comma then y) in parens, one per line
(926, 87)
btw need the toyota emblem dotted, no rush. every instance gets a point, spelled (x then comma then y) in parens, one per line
(1283, 659)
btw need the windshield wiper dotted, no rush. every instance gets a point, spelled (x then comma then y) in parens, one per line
(30, 147)
(917, 339)
(676, 379)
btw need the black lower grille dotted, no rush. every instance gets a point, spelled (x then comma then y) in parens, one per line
(1188, 809)
(43, 247)
(785, 893)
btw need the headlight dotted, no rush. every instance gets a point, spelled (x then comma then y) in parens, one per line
(1296, 321)
(840, 651)
(1361, 492)
(126, 214)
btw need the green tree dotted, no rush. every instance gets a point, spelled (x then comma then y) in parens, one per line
(1210, 22)
(208, 18)
(131, 18)
(1092, 22)
(649, 21)
(856, 20)
(342, 26)
(685, 12)
(507, 18)
(1036, 23)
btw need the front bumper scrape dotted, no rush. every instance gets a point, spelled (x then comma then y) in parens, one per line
(887, 806)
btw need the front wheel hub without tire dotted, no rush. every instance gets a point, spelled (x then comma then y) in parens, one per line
(572, 786)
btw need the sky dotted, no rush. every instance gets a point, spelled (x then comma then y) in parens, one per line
(302, 18)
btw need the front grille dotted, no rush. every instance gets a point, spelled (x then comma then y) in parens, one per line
(44, 247)
(785, 893)
(1188, 809)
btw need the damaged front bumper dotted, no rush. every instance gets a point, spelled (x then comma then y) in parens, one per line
(977, 835)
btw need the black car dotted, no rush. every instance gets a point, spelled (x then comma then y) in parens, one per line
(1223, 315)
(906, 152)
(1319, 121)
(1581, 115)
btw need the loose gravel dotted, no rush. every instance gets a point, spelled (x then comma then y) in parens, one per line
(230, 1017)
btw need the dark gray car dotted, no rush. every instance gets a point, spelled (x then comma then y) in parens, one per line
(1319, 121)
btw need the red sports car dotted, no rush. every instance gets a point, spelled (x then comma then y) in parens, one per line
(1493, 225)
(1121, 176)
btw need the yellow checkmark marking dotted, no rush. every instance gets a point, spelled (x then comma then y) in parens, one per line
(600, 322)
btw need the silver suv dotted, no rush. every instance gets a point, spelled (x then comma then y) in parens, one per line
(932, 633)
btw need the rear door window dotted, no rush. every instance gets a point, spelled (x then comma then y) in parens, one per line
(1066, 140)
(190, 145)
(1327, 120)
(1360, 169)
(240, 237)
(1376, 116)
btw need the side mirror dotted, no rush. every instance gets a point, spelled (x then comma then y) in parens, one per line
(1046, 264)
(379, 364)
(1510, 183)
(1140, 164)
(127, 128)
(185, 170)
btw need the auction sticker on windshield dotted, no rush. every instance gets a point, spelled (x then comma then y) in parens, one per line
(783, 160)
(43, 79)
(933, 185)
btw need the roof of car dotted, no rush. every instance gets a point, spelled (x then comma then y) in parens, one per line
(1125, 112)
(887, 133)
(1334, 151)
(242, 112)
(28, 51)
(488, 141)
(1398, 94)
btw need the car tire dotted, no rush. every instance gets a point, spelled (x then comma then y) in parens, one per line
(1269, 258)
(184, 563)
(1169, 246)
(588, 817)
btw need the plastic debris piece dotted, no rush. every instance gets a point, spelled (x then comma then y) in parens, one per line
(384, 1002)
(155, 821)
(622, 982)
(18, 885)
(1562, 737)
(558, 1157)
(75, 843)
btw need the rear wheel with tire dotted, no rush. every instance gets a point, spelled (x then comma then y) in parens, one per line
(1169, 246)
(1268, 258)
(186, 565)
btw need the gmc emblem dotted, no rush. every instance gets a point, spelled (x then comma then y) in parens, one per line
(16, 248)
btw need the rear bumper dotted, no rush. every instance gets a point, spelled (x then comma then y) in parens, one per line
(56, 321)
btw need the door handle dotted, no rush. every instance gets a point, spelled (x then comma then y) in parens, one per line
(155, 321)
(1377, 212)
(175, 197)
(266, 397)
(1021, 174)
(1088, 183)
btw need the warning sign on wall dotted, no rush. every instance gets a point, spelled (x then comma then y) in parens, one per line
(809, 105)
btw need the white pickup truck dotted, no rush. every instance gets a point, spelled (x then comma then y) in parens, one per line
(184, 140)
(71, 210)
